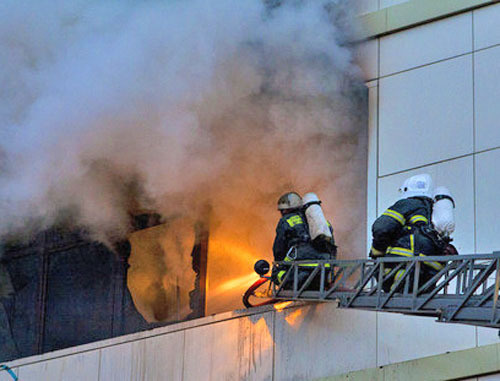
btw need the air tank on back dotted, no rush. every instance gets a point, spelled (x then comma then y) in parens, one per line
(318, 225)
(443, 214)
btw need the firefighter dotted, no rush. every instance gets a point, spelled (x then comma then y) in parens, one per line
(406, 230)
(293, 240)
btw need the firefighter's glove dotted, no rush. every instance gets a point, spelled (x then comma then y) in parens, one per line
(450, 250)
(374, 253)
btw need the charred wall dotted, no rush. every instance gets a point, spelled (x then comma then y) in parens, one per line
(63, 289)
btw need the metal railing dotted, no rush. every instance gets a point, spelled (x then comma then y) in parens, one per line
(461, 288)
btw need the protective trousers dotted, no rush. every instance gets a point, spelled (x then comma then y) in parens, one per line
(301, 253)
(412, 244)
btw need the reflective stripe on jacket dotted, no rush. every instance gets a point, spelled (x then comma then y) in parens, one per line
(398, 231)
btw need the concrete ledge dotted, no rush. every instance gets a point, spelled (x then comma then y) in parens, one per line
(146, 334)
(413, 13)
(449, 366)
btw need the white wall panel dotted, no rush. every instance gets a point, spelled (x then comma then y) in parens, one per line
(123, 362)
(488, 201)
(402, 338)
(390, 3)
(157, 358)
(164, 357)
(425, 115)
(371, 202)
(78, 367)
(322, 340)
(456, 175)
(487, 95)
(486, 336)
(367, 58)
(365, 6)
(486, 30)
(240, 349)
(425, 44)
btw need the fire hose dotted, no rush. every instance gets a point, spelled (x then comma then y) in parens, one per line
(8, 370)
(251, 292)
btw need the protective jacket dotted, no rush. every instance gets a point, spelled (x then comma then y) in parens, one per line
(293, 242)
(405, 229)
(292, 231)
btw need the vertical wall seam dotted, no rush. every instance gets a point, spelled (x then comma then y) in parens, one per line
(99, 365)
(474, 182)
(183, 353)
(474, 148)
(273, 368)
(377, 126)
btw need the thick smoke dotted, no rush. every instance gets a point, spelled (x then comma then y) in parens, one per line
(109, 108)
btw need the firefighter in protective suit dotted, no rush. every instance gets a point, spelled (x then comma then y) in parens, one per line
(405, 229)
(293, 240)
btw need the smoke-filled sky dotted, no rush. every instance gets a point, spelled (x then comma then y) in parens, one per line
(110, 107)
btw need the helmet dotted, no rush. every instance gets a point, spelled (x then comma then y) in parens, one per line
(417, 186)
(289, 200)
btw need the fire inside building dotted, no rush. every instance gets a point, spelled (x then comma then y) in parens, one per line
(62, 289)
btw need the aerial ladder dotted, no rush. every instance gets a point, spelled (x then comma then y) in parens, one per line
(465, 290)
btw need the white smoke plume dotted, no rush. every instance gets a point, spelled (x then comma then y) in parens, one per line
(110, 107)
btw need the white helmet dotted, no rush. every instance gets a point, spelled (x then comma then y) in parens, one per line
(417, 186)
(290, 200)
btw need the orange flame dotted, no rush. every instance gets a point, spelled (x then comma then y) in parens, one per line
(292, 319)
(282, 305)
(237, 283)
(231, 257)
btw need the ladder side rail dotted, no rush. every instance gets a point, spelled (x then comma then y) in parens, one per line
(470, 277)
(295, 279)
(448, 285)
(497, 287)
(443, 272)
(480, 258)
(433, 258)
(322, 280)
(458, 284)
(478, 271)
(336, 278)
(416, 281)
(367, 265)
(287, 275)
(476, 283)
(443, 283)
(356, 273)
(485, 296)
(376, 266)
(395, 287)
(342, 281)
(388, 276)
(308, 281)
(407, 280)
(380, 282)
(363, 269)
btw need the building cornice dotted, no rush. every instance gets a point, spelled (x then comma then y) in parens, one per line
(412, 13)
